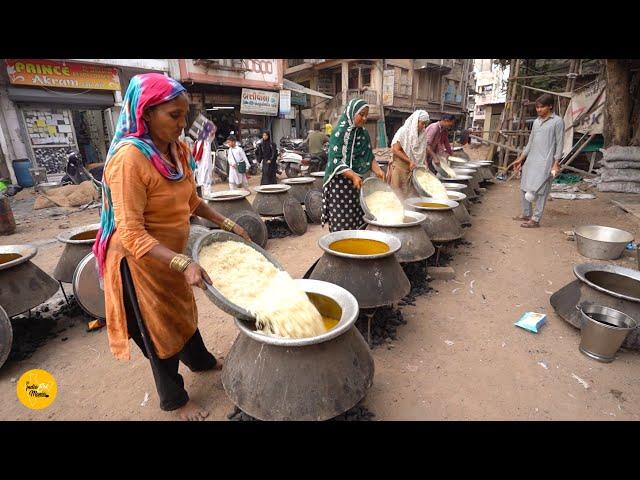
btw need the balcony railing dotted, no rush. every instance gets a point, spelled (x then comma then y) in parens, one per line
(369, 96)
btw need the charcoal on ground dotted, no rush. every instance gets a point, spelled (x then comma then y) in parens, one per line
(277, 228)
(30, 332)
(384, 324)
(441, 260)
(416, 272)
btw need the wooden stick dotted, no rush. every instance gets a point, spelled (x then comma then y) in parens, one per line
(496, 143)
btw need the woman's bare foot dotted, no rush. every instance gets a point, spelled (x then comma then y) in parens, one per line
(522, 218)
(192, 412)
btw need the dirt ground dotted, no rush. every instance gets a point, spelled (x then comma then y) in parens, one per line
(458, 358)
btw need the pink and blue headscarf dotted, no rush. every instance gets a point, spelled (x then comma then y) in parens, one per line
(144, 91)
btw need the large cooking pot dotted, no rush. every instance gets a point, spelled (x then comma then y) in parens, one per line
(316, 378)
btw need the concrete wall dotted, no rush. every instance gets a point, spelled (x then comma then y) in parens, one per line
(13, 147)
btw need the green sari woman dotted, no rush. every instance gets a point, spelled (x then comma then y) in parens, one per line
(350, 159)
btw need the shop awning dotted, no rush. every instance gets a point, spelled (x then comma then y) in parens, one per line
(37, 95)
(293, 86)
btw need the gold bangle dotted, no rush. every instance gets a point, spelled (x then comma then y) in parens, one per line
(228, 224)
(180, 262)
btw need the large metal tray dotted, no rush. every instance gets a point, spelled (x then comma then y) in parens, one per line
(369, 186)
(214, 294)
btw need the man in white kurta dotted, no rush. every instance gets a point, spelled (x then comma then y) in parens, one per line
(235, 155)
(543, 153)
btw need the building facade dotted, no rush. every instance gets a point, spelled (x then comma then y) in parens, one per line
(239, 95)
(394, 88)
(490, 95)
(50, 107)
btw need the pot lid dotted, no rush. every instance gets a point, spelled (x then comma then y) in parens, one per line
(6, 336)
(275, 188)
(313, 206)
(87, 289)
(227, 195)
(253, 224)
(294, 216)
(299, 180)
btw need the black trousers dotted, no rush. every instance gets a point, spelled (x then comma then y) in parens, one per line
(169, 382)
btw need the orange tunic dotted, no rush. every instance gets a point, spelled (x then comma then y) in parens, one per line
(149, 210)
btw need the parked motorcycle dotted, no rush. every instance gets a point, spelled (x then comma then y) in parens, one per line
(249, 145)
(76, 171)
(294, 161)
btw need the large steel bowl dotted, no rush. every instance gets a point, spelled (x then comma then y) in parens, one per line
(602, 284)
(601, 243)
(213, 293)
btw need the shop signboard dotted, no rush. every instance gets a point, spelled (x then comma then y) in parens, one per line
(388, 80)
(298, 98)
(259, 102)
(285, 101)
(50, 73)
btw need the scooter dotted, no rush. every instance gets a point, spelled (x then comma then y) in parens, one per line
(291, 162)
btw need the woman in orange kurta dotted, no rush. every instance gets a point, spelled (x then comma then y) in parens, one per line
(148, 196)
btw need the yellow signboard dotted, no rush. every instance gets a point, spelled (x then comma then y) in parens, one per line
(49, 73)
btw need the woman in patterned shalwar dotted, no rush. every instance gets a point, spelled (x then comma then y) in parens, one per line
(350, 159)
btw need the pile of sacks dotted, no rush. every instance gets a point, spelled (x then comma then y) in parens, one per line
(620, 170)
(68, 196)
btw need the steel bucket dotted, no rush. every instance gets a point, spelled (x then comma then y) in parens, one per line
(603, 331)
(601, 284)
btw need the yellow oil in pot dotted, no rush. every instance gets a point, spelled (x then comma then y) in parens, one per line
(90, 235)
(431, 205)
(359, 246)
(329, 323)
(8, 257)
